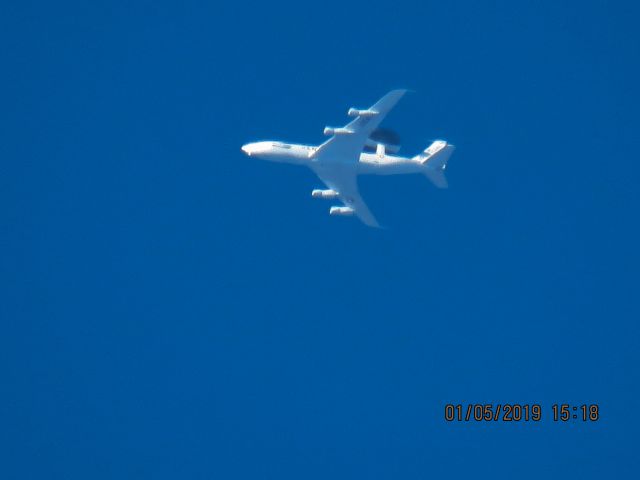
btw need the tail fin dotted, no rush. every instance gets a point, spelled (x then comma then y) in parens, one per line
(434, 159)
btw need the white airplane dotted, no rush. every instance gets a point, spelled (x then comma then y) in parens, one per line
(339, 160)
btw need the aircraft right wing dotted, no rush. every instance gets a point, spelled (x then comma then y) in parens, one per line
(347, 143)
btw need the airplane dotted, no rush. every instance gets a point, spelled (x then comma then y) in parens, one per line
(344, 156)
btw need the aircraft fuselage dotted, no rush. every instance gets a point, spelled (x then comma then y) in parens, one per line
(369, 163)
(349, 152)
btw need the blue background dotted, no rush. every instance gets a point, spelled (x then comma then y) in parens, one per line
(173, 309)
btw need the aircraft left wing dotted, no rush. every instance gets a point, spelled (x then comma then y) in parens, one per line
(343, 180)
(347, 143)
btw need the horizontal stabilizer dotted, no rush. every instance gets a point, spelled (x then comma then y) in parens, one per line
(434, 159)
(438, 152)
(437, 178)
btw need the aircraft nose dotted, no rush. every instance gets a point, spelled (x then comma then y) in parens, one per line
(246, 149)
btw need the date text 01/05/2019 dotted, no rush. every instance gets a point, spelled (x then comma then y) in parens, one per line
(519, 412)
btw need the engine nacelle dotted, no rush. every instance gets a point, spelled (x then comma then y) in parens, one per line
(354, 112)
(324, 194)
(330, 131)
(341, 211)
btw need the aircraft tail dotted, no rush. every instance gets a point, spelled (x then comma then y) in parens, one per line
(434, 159)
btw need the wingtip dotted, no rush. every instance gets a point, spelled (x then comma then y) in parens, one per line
(397, 92)
(373, 223)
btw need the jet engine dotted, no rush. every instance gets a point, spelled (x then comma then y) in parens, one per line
(330, 131)
(342, 211)
(354, 112)
(324, 194)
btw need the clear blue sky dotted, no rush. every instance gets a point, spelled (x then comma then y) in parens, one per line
(173, 309)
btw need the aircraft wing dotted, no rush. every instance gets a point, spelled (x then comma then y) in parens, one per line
(347, 143)
(343, 179)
